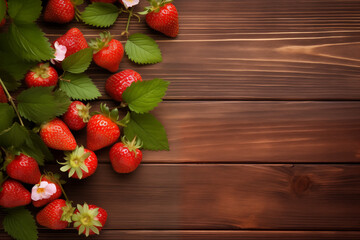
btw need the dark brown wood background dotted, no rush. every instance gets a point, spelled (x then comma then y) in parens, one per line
(263, 120)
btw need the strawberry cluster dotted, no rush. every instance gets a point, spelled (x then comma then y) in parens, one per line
(103, 129)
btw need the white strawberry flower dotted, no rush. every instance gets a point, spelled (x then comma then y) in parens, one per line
(60, 51)
(44, 190)
(130, 3)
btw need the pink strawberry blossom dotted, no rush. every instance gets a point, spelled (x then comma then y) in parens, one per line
(130, 3)
(44, 190)
(60, 51)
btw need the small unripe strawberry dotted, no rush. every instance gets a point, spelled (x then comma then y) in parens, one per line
(77, 115)
(42, 75)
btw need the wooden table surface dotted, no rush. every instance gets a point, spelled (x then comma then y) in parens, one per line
(263, 121)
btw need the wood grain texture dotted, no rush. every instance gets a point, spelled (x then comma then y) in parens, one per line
(199, 235)
(231, 196)
(242, 131)
(251, 50)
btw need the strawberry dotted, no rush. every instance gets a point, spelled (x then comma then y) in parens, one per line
(57, 135)
(13, 194)
(77, 115)
(81, 163)
(42, 75)
(49, 179)
(108, 52)
(3, 98)
(162, 16)
(59, 11)
(102, 129)
(23, 168)
(118, 82)
(126, 156)
(56, 215)
(104, 1)
(89, 219)
(73, 40)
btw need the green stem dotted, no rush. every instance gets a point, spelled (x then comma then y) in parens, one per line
(63, 191)
(130, 11)
(11, 101)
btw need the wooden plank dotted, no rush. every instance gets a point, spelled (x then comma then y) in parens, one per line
(245, 131)
(250, 50)
(231, 196)
(199, 235)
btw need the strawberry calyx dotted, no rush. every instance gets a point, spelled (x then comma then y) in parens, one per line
(86, 219)
(132, 145)
(41, 70)
(155, 6)
(100, 43)
(10, 155)
(68, 211)
(75, 162)
(76, 3)
(84, 111)
(113, 115)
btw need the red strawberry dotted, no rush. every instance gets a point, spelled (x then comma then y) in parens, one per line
(117, 83)
(56, 215)
(89, 219)
(73, 40)
(42, 75)
(24, 169)
(59, 11)
(102, 129)
(49, 179)
(3, 98)
(163, 17)
(108, 52)
(104, 1)
(14, 194)
(77, 115)
(57, 135)
(125, 156)
(81, 163)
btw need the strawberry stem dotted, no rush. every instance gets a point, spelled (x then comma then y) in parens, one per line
(131, 14)
(11, 101)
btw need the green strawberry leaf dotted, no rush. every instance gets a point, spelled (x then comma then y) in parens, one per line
(78, 62)
(28, 41)
(20, 224)
(100, 14)
(2, 9)
(7, 114)
(38, 104)
(144, 96)
(10, 82)
(14, 136)
(35, 148)
(142, 49)
(79, 86)
(62, 102)
(39, 145)
(24, 10)
(149, 130)
(10, 62)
